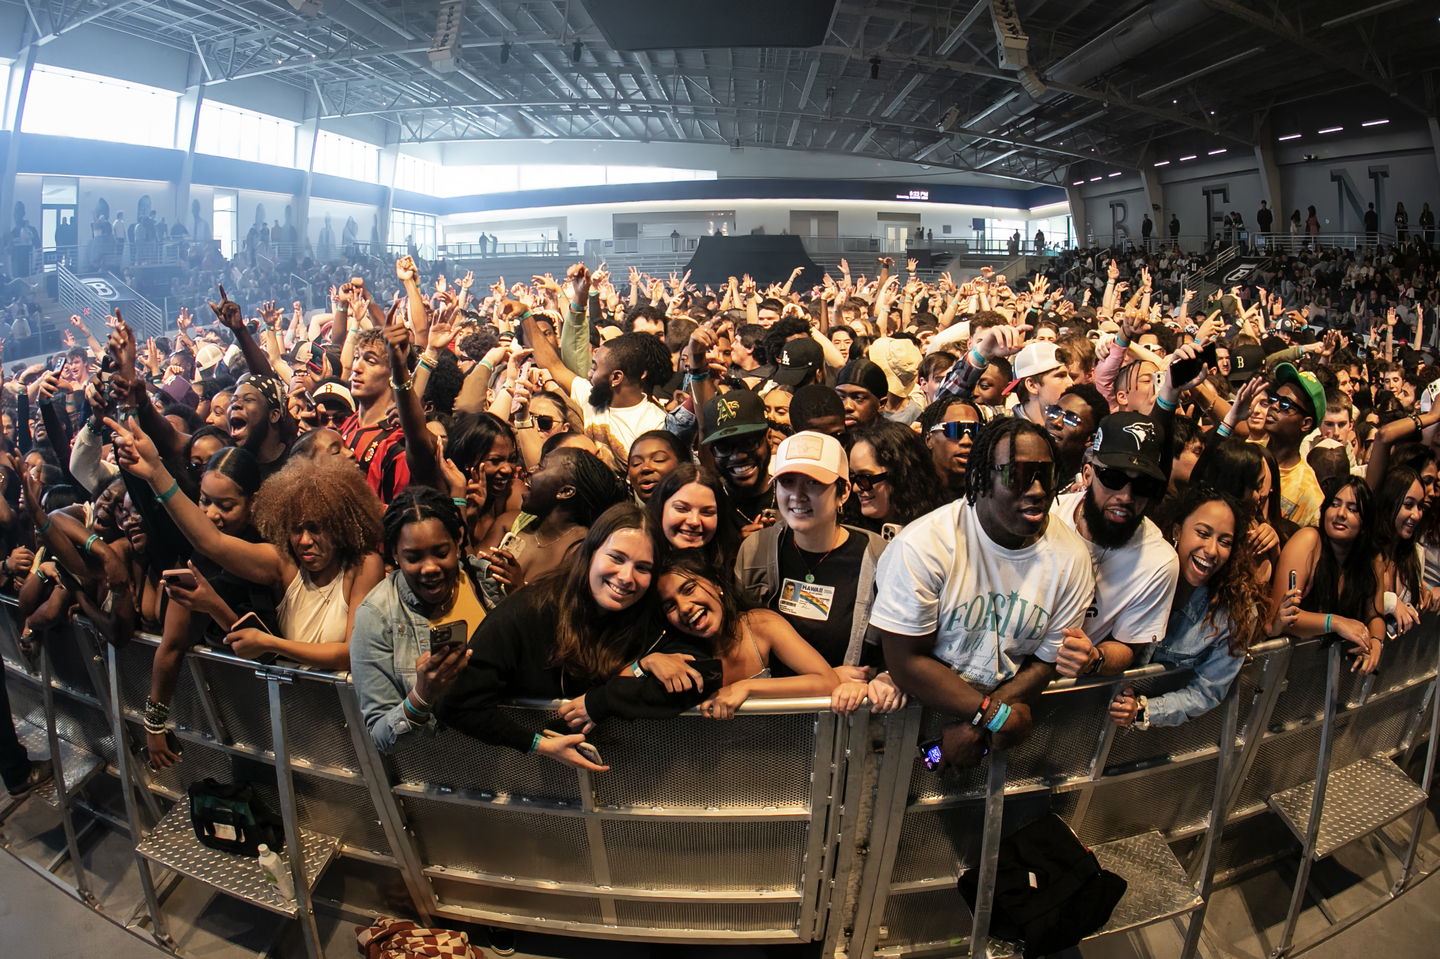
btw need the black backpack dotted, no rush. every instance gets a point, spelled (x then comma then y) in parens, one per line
(1050, 891)
(230, 817)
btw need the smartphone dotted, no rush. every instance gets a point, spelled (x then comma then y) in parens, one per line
(770, 515)
(1292, 579)
(511, 541)
(930, 754)
(446, 637)
(1184, 371)
(249, 621)
(587, 750)
(889, 531)
(183, 578)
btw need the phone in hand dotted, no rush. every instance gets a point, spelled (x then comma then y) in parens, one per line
(249, 621)
(183, 578)
(1292, 579)
(587, 750)
(769, 515)
(930, 754)
(889, 531)
(447, 637)
(511, 542)
(1183, 371)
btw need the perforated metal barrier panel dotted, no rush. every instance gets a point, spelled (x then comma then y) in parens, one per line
(784, 824)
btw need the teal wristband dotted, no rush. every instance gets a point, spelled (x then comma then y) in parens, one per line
(997, 722)
(1164, 404)
(487, 365)
(976, 360)
(1223, 430)
(91, 541)
(636, 671)
(535, 744)
(165, 496)
(429, 366)
(1328, 617)
(41, 530)
(699, 377)
(459, 501)
(412, 711)
(1121, 343)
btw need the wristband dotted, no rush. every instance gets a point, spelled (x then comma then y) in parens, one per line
(980, 713)
(1121, 343)
(997, 722)
(487, 365)
(523, 317)
(1165, 404)
(428, 364)
(577, 311)
(401, 387)
(1224, 430)
(41, 530)
(636, 671)
(412, 711)
(420, 704)
(535, 744)
(976, 360)
(169, 493)
(1328, 617)
(459, 501)
(700, 377)
(525, 424)
(91, 541)
(1415, 418)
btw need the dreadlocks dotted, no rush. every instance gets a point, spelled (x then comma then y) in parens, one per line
(980, 465)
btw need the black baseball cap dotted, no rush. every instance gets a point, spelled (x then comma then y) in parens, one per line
(1245, 362)
(1129, 441)
(733, 414)
(799, 359)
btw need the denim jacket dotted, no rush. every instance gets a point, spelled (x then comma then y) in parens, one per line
(1192, 642)
(389, 636)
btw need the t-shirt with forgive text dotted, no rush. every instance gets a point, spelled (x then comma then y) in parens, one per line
(990, 607)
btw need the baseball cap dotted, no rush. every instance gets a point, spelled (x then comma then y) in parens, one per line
(1129, 441)
(1036, 357)
(815, 455)
(900, 360)
(1308, 384)
(179, 390)
(799, 359)
(861, 372)
(1245, 362)
(329, 393)
(733, 414)
(208, 356)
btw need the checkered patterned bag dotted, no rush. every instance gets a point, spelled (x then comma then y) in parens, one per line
(400, 939)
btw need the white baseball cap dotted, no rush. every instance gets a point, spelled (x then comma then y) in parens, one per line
(1037, 356)
(816, 455)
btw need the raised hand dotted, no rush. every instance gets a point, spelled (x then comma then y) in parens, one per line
(226, 311)
(136, 451)
(405, 270)
(577, 285)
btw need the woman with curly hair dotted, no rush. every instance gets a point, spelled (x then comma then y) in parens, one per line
(321, 523)
(890, 470)
(1215, 615)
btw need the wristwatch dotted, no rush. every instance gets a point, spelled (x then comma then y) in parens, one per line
(1099, 663)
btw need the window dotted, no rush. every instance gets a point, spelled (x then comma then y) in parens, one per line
(420, 226)
(231, 132)
(226, 212)
(415, 175)
(66, 103)
(342, 156)
(465, 180)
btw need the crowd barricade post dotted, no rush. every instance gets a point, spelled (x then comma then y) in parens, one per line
(786, 824)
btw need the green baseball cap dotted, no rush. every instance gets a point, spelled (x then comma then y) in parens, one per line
(1308, 384)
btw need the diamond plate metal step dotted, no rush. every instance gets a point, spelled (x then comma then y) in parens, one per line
(1157, 887)
(79, 765)
(1359, 799)
(172, 844)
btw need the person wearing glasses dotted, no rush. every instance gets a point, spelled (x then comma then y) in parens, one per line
(1297, 405)
(950, 426)
(890, 471)
(976, 598)
(1135, 568)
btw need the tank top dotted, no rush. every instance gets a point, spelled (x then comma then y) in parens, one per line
(314, 614)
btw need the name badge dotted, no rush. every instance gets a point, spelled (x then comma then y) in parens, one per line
(806, 600)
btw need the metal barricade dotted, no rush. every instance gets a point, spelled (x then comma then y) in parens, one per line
(786, 824)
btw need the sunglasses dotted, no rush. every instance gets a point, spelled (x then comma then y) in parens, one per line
(955, 430)
(327, 417)
(1019, 477)
(1144, 487)
(867, 481)
(1069, 417)
(544, 423)
(1286, 405)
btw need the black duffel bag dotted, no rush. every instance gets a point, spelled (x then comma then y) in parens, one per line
(231, 817)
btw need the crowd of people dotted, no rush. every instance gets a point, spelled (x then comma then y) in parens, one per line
(643, 496)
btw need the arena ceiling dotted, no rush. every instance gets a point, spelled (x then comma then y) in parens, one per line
(1076, 81)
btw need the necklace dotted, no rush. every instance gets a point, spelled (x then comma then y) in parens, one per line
(558, 536)
(810, 570)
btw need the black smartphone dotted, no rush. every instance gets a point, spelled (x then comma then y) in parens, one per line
(1183, 371)
(930, 754)
(446, 637)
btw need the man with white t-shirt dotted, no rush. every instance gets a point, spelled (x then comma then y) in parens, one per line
(976, 599)
(615, 399)
(1135, 568)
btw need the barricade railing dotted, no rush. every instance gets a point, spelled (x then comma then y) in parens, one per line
(786, 824)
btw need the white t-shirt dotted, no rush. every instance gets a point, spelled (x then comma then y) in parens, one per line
(989, 606)
(1134, 583)
(613, 426)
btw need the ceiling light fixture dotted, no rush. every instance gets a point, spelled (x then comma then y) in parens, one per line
(1330, 130)
(1163, 163)
(1190, 157)
(1374, 123)
(1078, 183)
(1292, 136)
(1216, 152)
(1116, 173)
(1096, 179)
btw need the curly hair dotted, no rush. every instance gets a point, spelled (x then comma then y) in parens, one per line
(1235, 588)
(978, 467)
(329, 492)
(914, 487)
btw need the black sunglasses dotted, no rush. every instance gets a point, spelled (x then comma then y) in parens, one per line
(1142, 486)
(1069, 417)
(954, 430)
(544, 423)
(1019, 477)
(867, 481)
(1286, 405)
(328, 417)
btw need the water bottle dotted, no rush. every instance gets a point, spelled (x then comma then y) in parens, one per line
(276, 872)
